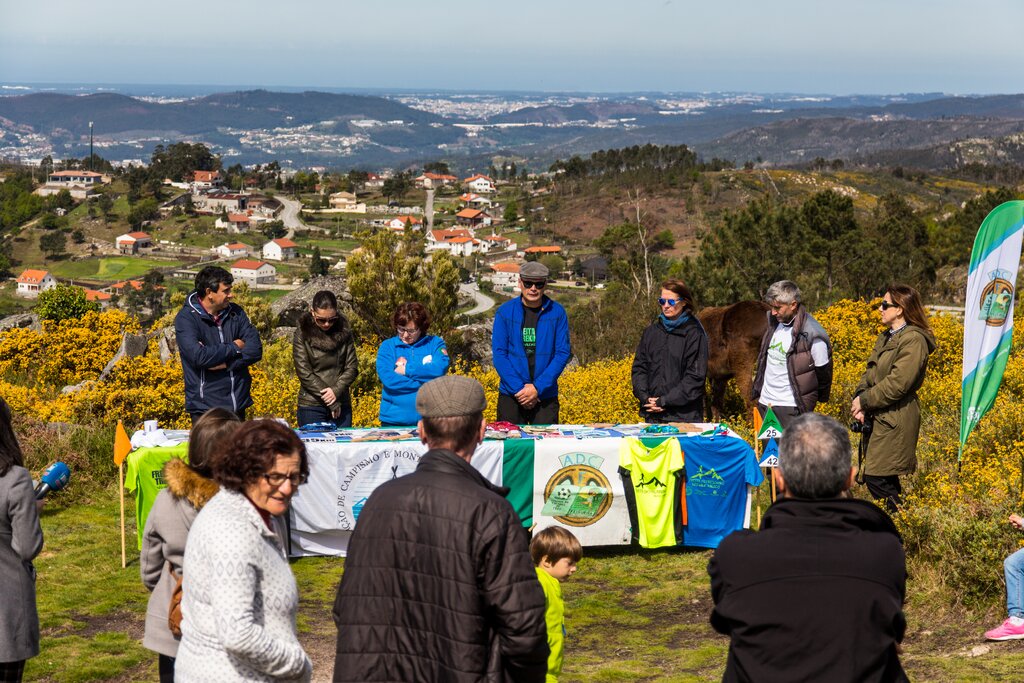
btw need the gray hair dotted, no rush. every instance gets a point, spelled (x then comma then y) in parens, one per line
(782, 292)
(815, 457)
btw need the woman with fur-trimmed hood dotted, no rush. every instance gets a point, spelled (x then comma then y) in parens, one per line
(189, 488)
(324, 354)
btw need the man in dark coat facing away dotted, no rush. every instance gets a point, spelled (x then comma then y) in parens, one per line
(817, 594)
(438, 583)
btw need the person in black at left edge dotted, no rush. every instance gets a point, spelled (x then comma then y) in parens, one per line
(217, 343)
(671, 363)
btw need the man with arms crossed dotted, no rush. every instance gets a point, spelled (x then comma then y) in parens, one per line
(530, 345)
(217, 343)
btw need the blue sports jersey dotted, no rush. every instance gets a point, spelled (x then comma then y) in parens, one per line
(718, 470)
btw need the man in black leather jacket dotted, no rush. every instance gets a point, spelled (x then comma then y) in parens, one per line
(438, 582)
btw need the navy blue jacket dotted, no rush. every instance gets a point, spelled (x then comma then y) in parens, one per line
(203, 345)
(551, 355)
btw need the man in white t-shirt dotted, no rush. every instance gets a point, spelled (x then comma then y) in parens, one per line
(794, 365)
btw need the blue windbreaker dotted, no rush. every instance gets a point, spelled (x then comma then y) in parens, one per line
(551, 355)
(203, 345)
(424, 360)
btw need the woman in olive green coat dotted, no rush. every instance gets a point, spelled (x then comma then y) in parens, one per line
(324, 353)
(886, 397)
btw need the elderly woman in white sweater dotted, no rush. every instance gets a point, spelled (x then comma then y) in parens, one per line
(239, 594)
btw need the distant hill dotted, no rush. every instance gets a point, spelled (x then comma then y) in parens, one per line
(345, 131)
(112, 113)
(801, 140)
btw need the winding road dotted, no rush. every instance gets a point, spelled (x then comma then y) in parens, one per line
(483, 302)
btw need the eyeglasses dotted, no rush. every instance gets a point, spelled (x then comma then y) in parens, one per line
(535, 284)
(670, 302)
(277, 479)
(408, 330)
(886, 305)
(324, 321)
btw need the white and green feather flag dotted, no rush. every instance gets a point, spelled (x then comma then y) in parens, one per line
(988, 313)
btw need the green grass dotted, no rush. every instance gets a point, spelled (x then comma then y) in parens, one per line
(271, 295)
(108, 268)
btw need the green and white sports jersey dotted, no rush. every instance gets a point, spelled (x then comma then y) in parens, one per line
(653, 479)
(145, 477)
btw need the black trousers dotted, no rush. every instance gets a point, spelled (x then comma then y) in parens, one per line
(544, 413)
(11, 672)
(166, 669)
(887, 489)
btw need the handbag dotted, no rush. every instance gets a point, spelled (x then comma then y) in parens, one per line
(174, 608)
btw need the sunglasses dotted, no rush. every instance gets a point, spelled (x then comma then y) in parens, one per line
(886, 305)
(670, 302)
(324, 321)
(536, 284)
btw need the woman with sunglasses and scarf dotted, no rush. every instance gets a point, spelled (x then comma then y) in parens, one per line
(406, 362)
(886, 398)
(671, 363)
(324, 353)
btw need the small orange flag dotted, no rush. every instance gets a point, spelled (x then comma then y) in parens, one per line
(757, 421)
(122, 444)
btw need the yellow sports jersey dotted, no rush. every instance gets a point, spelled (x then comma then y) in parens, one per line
(653, 483)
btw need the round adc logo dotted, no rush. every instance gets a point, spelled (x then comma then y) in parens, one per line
(578, 494)
(996, 299)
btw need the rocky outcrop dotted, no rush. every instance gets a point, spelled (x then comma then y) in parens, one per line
(288, 308)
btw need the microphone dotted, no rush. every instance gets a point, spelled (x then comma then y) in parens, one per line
(55, 477)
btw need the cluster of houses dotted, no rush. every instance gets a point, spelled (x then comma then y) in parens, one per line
(477, 183)
(237, 212)
(32, 282)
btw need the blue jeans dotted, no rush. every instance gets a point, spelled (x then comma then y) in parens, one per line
(1013, 570)
(310, 414)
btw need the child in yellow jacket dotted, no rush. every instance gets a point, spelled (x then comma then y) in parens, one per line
(555, 552)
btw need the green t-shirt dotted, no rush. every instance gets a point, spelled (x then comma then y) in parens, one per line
(145, 476)
(554, 617)
(653, 478)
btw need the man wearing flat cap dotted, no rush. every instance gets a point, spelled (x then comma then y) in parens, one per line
(438, 583)
(530, 346)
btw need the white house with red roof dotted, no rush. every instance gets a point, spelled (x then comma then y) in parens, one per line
(400, 223)
(76, 178)
(496, 242)
(32, 282)
(280, 249)
(373, 181)
(434, 180)
(204, 180)
(475, 201)
(473, 217)
(232, 250)
(254, 272)
(235, 222)
(456, 241)
(504, 274)
(102, 298)
(132, 242)
(479, 184)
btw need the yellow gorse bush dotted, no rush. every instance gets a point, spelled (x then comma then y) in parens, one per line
(954, 517)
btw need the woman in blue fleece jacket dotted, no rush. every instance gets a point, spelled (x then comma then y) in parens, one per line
(406, 362)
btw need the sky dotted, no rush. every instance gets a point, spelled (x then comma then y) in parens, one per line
(799, 46)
